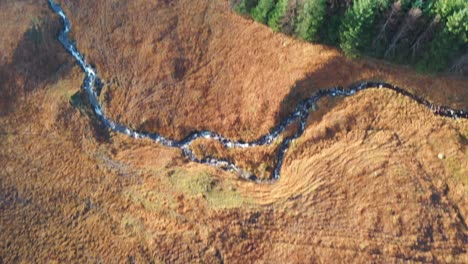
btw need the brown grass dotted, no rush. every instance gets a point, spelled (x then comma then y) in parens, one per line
(363, 184)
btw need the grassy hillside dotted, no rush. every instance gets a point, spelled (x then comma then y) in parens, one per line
(364, 184)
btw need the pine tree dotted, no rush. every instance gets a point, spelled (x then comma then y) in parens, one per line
(356, 28)
(245, 6)
(420, 34)
(406, 4)
(336, 9)
(310, 19)
(387, 24)
(457, 25)
(424, 37)
(278, 14)
(289, 20)
(262, 11)
(330, 34)
(409, 23)
(446, 8)
(449, 41)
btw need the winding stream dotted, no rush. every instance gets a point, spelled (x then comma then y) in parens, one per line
(92, 81)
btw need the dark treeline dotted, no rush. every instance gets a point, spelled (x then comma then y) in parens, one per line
(431, 35)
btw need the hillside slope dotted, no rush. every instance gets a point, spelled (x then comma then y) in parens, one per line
(364, 183)
(192, 59)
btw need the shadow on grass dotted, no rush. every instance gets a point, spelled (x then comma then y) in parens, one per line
(335, 72)
(80, 101)
(38, 60)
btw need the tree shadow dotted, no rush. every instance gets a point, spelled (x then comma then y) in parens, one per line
(38, 60)
(342, 72)
(335, 72)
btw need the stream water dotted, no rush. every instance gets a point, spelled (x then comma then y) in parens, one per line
(92, 81)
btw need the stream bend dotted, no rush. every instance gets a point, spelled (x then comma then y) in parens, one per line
(92, 81)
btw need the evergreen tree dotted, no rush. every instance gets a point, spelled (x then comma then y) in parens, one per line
(310, 19)
(388, 23)
(449, 41)
(401, 37)
(289, 20)
(245, 6)
(330, 34)
(457, 25)
(446, 8)
(278, 14)
(336, 9)
(262, 11)
(424, 37)
(406, 4)
(358, 22)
